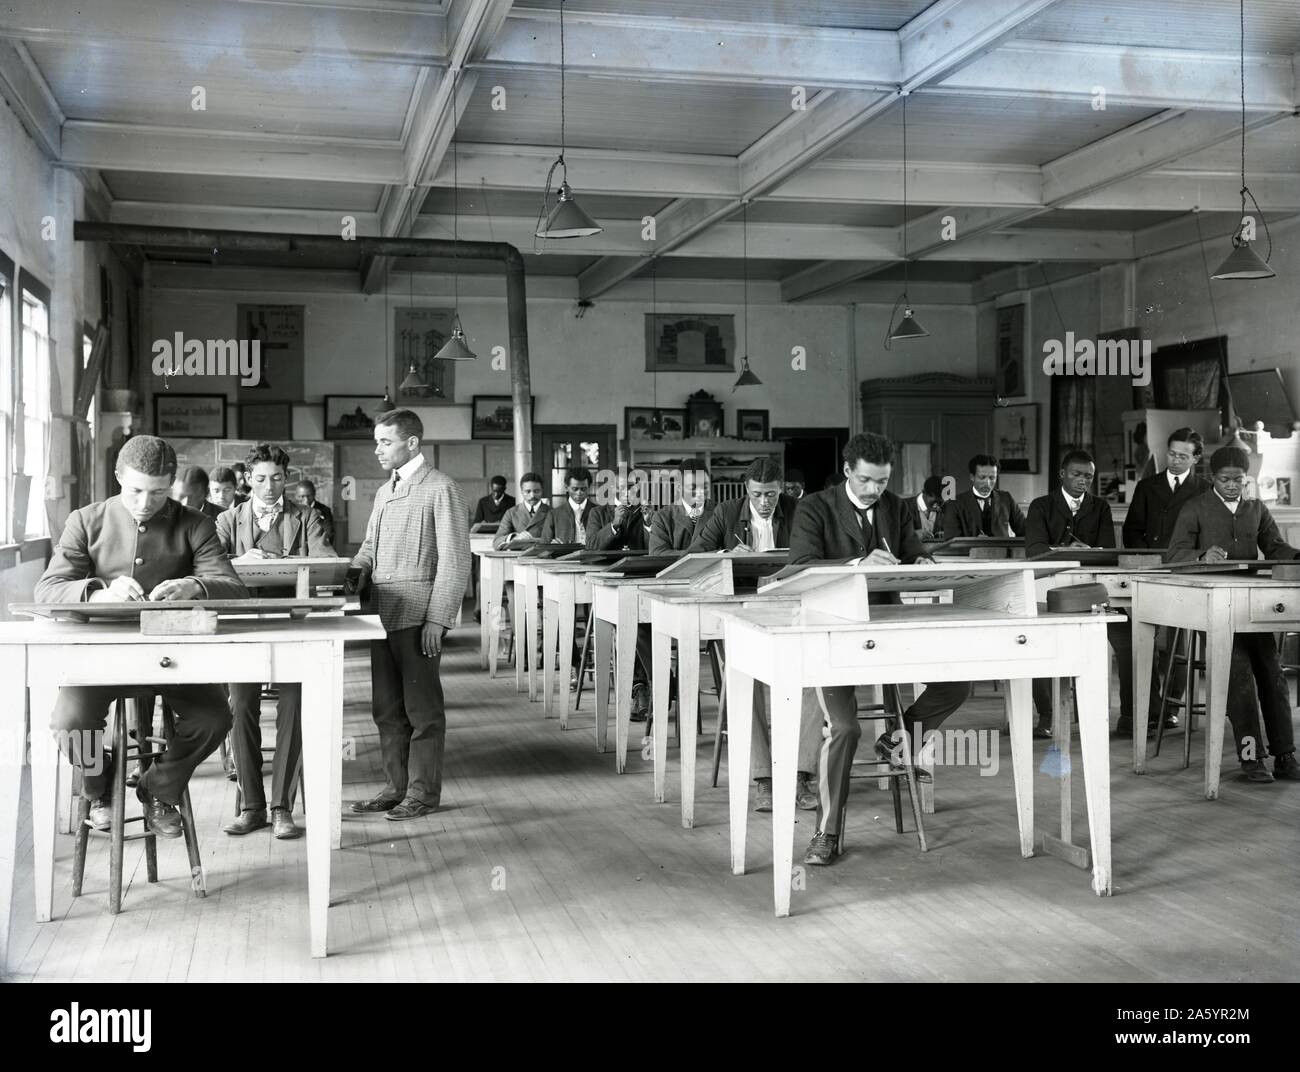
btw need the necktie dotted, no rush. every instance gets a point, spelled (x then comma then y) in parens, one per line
(864, 516)
(396, 477)
(986, 518)
(1177, 481)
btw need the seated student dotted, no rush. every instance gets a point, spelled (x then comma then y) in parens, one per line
(761, 521)
(861, 521)
(794, 483)
(522, 524)
(190, 488)
(568, 523)
(492, 507)
(304, 494)
(242, 489)
(222, 488)
(140, 545)
(1157, 501)
(1220, 524)
(983, 510)
(1072, 516)
(674, 527)
(927, 509)
(269, 525)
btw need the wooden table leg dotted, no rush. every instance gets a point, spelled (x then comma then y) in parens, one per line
(661, 647)
(1144, 650)
(1063, 847)
(1020, 705)
(484, 611)
(567, 610)
(322, 727)
(787, 699)
(550, 627)
(492, 588)
(624, 673)
(532, 628)
(740, 714)
(333, 656)
(13, 752)
(688, 707)
(604, 656)
(523, 653)
(45, 766)
(1218, 664)
(1092, 695)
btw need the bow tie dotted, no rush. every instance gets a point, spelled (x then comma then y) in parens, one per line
(265, 511)
(695, 512)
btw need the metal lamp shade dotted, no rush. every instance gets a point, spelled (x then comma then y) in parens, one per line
(1243, 263)
(908, 328)
(567, 220)
(456, 348)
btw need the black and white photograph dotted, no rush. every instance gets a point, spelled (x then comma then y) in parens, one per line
(635, 491)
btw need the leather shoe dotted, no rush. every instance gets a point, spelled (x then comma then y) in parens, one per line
(885, 750)
(410, 809)
(762, 794)
(100, 815)
(374, 804)
(160, 818)
(133, 776)
(249, 819)
(805, 795)
(282, 825)
(1255, 771)
(822, 850)
(640, 702)
(1043, 730)
(1286, 767)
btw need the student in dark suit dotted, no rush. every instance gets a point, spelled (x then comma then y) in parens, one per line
(269, 525)
(522, 524)
(190, 488)
(761, 521)
(794, 483)
(926, 508)
(674, 527)
(223, 488)
(1157, 500)
(1072, 516)
(859, 521)
(493, 506)
(984, 510)
(140, 545)
(758, 522)
(1220, 524)
(570, 521)
(416, 552)
(304, 494)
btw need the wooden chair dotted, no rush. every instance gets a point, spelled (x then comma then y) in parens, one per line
(1187, 651)
(121, 752)
(881, 769)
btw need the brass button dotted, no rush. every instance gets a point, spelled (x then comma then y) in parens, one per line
(144, 528)
(139, 561)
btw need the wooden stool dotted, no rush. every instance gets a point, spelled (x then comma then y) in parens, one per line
(585, 665)
(1187, 648)
(121, 752)
(893, 714)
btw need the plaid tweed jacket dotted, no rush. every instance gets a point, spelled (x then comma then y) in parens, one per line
(417, 550)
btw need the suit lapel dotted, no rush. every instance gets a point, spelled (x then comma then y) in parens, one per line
(846, 514)
(245, 524)
(291, 528)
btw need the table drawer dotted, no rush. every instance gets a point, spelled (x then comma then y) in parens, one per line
(866, 648)
(163, 663)
(1280, 604)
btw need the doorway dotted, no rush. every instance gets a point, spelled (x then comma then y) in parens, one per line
(557, 448)
(814, 451)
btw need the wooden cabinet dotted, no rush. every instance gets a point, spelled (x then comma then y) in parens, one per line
(951, 414)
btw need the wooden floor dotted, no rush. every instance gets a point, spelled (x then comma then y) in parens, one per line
(545, 865)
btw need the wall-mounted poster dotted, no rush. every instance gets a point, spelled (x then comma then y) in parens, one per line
(1015, 438)
(351, 416)
(418, 334)
(182, 416)
(1011, 377)
(690, 342)
(278, 332)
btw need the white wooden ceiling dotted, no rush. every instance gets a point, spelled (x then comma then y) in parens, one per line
(680, 110)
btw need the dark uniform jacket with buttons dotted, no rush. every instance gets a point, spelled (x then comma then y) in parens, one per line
(1155, 507)
(1205, 522)
(1050, 523)
(962, 516)
(102, 542)
(727, 528)
(673, 530)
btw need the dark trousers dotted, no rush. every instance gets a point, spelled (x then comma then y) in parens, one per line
(1257, 671)
(202, 722)
(1120, 635)
(408, 710)
(246, 742)
(837, 705)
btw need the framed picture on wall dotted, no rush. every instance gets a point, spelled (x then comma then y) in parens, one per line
(493, 417)
(178, 416)
(276, 333)
(351, 416)
(267, 422)
(703, 416)
(690, 342)
(752, 424)
(1015, 438)
(418, 334)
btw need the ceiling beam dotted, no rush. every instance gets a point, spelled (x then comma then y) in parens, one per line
(23, 86)
(241, 218)
(376, 32)
(947, 36)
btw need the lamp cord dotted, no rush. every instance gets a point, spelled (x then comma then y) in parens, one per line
(455, 203)
(1245, 190)
(559, 160)
(744, 263)
(1214, 319)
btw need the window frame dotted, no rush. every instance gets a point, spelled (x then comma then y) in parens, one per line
(29, 284)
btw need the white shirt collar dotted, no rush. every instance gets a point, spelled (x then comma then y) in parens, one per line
(577, 507)
(1232, 506)
(260, 507)
(1171, 478)
(1073, 503)
(979, 496)
(858, 503)
(764, 536)
(920, 502)
(408, 470)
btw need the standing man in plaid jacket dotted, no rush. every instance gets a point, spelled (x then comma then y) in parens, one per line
(416, 555)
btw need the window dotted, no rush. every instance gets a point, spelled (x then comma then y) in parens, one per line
(86, 469)
(6, 392)
(36, 399)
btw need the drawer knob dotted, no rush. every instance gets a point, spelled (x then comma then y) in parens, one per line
(869, 645)
(1279, 607)
(164, 662)
(1123, 584)
(1022, 639)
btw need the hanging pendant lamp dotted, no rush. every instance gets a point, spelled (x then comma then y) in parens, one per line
(455, 348)
(747, 377)
(908, 327)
